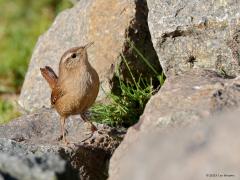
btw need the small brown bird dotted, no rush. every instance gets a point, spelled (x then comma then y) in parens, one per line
(77, 86)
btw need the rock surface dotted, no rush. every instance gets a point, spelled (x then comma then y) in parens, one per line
(207, 151)
(191, 38)
(109, 24)
(184, 100)
(37, 134)
(16, 162)
(196, 34)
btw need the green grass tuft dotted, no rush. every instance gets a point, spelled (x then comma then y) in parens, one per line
(125, 108)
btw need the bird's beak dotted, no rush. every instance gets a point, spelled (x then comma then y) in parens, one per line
(88, 45)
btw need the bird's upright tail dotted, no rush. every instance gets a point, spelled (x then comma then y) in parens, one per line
(50, 76)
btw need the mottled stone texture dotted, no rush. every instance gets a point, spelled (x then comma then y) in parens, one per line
(37, 134)
(109, 24)
(192, 34)
(184, 100)
(191, 38)
(17, 162)
(206, 151)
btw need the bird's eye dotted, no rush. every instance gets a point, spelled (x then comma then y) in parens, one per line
(73, 55)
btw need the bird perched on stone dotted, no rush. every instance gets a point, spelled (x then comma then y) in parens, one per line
(76, 87)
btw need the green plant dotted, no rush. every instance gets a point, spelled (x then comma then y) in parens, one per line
(21, 22)
(160, 76)
(7, 111)
(125, 108)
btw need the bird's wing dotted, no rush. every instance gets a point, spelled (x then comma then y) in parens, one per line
(57, 93)
(50, 76)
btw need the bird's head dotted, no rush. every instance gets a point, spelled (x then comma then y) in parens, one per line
(75, 57)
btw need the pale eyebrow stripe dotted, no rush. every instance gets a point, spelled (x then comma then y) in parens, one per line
(68, 55)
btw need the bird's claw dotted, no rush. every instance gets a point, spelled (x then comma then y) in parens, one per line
(60, 137)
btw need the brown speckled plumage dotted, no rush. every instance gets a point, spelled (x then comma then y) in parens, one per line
(77, 86)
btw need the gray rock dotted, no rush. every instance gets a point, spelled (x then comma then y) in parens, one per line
(109, 24)
(184, 100)
(17, 163)
(190, 97)
(193, 34)
(37, 134)
(206, 151)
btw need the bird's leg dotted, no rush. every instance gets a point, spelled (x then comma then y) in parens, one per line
(85, 119)
(93, 127)
(63, 119)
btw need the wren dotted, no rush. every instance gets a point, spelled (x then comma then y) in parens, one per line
(76, 87)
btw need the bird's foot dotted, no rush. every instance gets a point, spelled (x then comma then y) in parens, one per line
(90, 126)
(60, 137)
(93, 134)
(90, 134)
(63, 140)
(66, 142)
(93, 128)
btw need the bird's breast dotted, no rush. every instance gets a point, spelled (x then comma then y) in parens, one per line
(81, 91)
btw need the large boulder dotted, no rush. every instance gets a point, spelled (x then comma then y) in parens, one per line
(184, 100)
(110, 24)
(36, 135)
(16, 162)
(196, 34)
(206, 151)
(198, 46)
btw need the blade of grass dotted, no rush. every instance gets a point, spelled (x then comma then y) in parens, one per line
(143, 58)
(133, 78)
